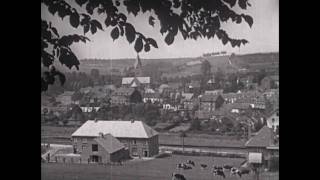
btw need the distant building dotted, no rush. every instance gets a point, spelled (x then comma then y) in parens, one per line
(269, 82)
(152, 97)
(209, 102)
(273, 119)
(137, 137)
(265, 142)
(65, 98)
(136, 82)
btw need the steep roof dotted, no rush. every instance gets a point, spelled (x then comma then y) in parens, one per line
(264, 138)
(122, 129)
(142, 80)
(109, 143)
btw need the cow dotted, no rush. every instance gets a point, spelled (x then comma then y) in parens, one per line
(235, 171)
(176, 176)
(203, 166)
(183, 166)
(219, 172)
(190, 162)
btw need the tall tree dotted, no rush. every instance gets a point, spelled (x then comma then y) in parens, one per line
(193, 19)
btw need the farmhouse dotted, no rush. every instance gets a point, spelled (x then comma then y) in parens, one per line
(137, 137)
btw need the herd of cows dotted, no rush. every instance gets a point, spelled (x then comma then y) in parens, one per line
(216, 170)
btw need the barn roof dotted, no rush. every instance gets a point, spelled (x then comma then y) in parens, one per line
(263, 138)
(122, 129)
(109, 143)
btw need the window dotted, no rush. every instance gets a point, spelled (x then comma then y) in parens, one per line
(75, 140)
(134, 141)
(94, 147)
(84, 140)
(83, 147)
(277, 113)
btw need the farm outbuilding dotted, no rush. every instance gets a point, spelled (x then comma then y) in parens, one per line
(136, 137)
(264, 142)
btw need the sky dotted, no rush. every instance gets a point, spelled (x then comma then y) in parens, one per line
(263, 36)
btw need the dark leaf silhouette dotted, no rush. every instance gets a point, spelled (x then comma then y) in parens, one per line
(97, 24)
(74, 20)
(117, 3)
(93, 29)
(68, 58)
(54, 30)
(176, 3)
(151, 21)
(248, 19)
(107, 22)
(243, 4)
(115, 33)
(47, 59)
(138, 45)
(130, 32)
(152, 42)
(123, 17)
(146, 47)
(86, 28)
(231, 2)
(169, 38)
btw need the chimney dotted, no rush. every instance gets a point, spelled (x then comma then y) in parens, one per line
(101, 135)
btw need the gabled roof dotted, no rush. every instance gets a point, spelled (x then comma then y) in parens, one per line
(264, 138)
(109, 143)
(118, 129)
(142, 80)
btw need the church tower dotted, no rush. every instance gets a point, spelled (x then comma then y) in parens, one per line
(138, 67)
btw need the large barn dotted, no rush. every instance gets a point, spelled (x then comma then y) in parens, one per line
(136, 137)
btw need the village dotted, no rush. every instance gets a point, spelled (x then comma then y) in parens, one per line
(142, 118)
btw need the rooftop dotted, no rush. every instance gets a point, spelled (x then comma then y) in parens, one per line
(118, 129)
(109, 143)
(263, 138)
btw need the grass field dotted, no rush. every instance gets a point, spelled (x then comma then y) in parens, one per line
(156, 169)
(62, 135)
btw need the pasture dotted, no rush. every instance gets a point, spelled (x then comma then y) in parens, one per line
(155, 169)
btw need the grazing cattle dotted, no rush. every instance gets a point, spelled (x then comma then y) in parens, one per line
(235, 171)
(203, 166)
(190, 162)
(176, 176)
(219, 172)
(183, 166)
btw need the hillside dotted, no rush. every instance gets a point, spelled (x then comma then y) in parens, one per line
(185, 66)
